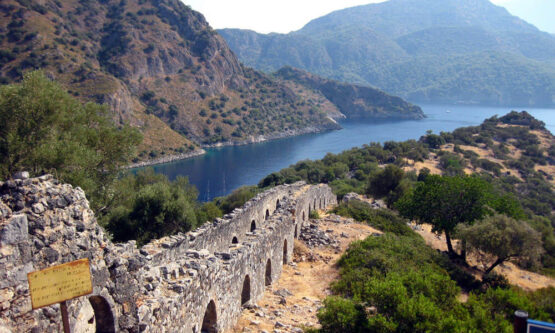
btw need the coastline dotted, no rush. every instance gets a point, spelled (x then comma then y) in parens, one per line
(251, 140)
(166, 159)
(273, 136)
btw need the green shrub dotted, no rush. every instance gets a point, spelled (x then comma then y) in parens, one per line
(381, 219)
(342, 315)
(45, 130)
(146, 206)
(236, 199)
(314, 215)
(406, 282)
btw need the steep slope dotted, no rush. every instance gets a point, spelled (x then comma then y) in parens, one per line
(353, 101)
(157, 64)
(380, 45)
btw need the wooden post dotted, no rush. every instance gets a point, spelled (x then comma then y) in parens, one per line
(521, 321)
(65, 319)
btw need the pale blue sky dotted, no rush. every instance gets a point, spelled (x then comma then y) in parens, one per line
(288, 15)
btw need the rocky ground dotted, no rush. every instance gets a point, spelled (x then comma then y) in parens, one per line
(290, 304)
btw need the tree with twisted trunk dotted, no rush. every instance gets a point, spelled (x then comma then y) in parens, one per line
(446, 202)
(501, 238)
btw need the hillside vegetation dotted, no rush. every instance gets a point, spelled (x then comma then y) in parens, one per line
(158, 66)
(353, 101)
(468, 52)
(396, 283)
(507, 162)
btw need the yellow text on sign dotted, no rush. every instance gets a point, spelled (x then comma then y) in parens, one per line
(60, 283)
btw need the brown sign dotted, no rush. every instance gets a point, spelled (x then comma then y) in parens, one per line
(60, 283)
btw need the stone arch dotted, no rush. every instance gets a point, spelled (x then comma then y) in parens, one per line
(314, 206)
(296, 230)
(277, 204)
(285, 252)
(267, 214)
(210, 320)
(253, 225)
(246, 291)
(268, 274)
(304, 217)
(235, 240)
(103, 315)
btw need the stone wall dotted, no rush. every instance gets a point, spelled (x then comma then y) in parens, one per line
(191, 282)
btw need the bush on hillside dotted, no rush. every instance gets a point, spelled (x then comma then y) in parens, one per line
(45, 130)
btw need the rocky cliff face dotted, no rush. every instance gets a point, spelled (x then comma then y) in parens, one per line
(353, 101)
(156, 63)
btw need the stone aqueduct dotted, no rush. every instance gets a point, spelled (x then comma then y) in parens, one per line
(194, 282)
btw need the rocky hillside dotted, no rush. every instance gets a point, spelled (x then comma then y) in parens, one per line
(157, 64)
(160, 67)
(440, 51)
(352, 101)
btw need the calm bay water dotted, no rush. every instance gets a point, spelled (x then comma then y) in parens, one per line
(222, 170)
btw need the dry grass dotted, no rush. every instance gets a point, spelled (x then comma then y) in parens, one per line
(548, 169)
(432, 162)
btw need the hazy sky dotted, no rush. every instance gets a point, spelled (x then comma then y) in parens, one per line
(289, 15)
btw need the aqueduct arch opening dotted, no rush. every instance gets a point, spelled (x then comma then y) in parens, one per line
(277, 204)
(268, 274)
(267, 214)
(246, 291)
(103, 315)
(253, 225)
(285, 252)
(210, 320)
(235, 240)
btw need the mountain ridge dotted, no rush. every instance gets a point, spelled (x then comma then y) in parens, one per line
(369, 45)
(353, 101)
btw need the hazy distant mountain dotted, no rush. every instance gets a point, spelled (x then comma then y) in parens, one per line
(448, 51)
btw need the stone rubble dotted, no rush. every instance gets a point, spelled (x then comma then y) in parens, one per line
(314, 237)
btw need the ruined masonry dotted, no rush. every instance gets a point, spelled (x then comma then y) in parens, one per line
(194, 282)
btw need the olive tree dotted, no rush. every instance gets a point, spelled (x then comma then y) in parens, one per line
(502, 238)
(446, 202)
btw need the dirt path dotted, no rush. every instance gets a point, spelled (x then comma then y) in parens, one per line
(304, 283)
(516, 275)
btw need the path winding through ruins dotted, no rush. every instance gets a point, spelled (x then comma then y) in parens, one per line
(307, 281)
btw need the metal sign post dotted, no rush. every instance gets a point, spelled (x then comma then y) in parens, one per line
(60, 283)
(65, 319)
